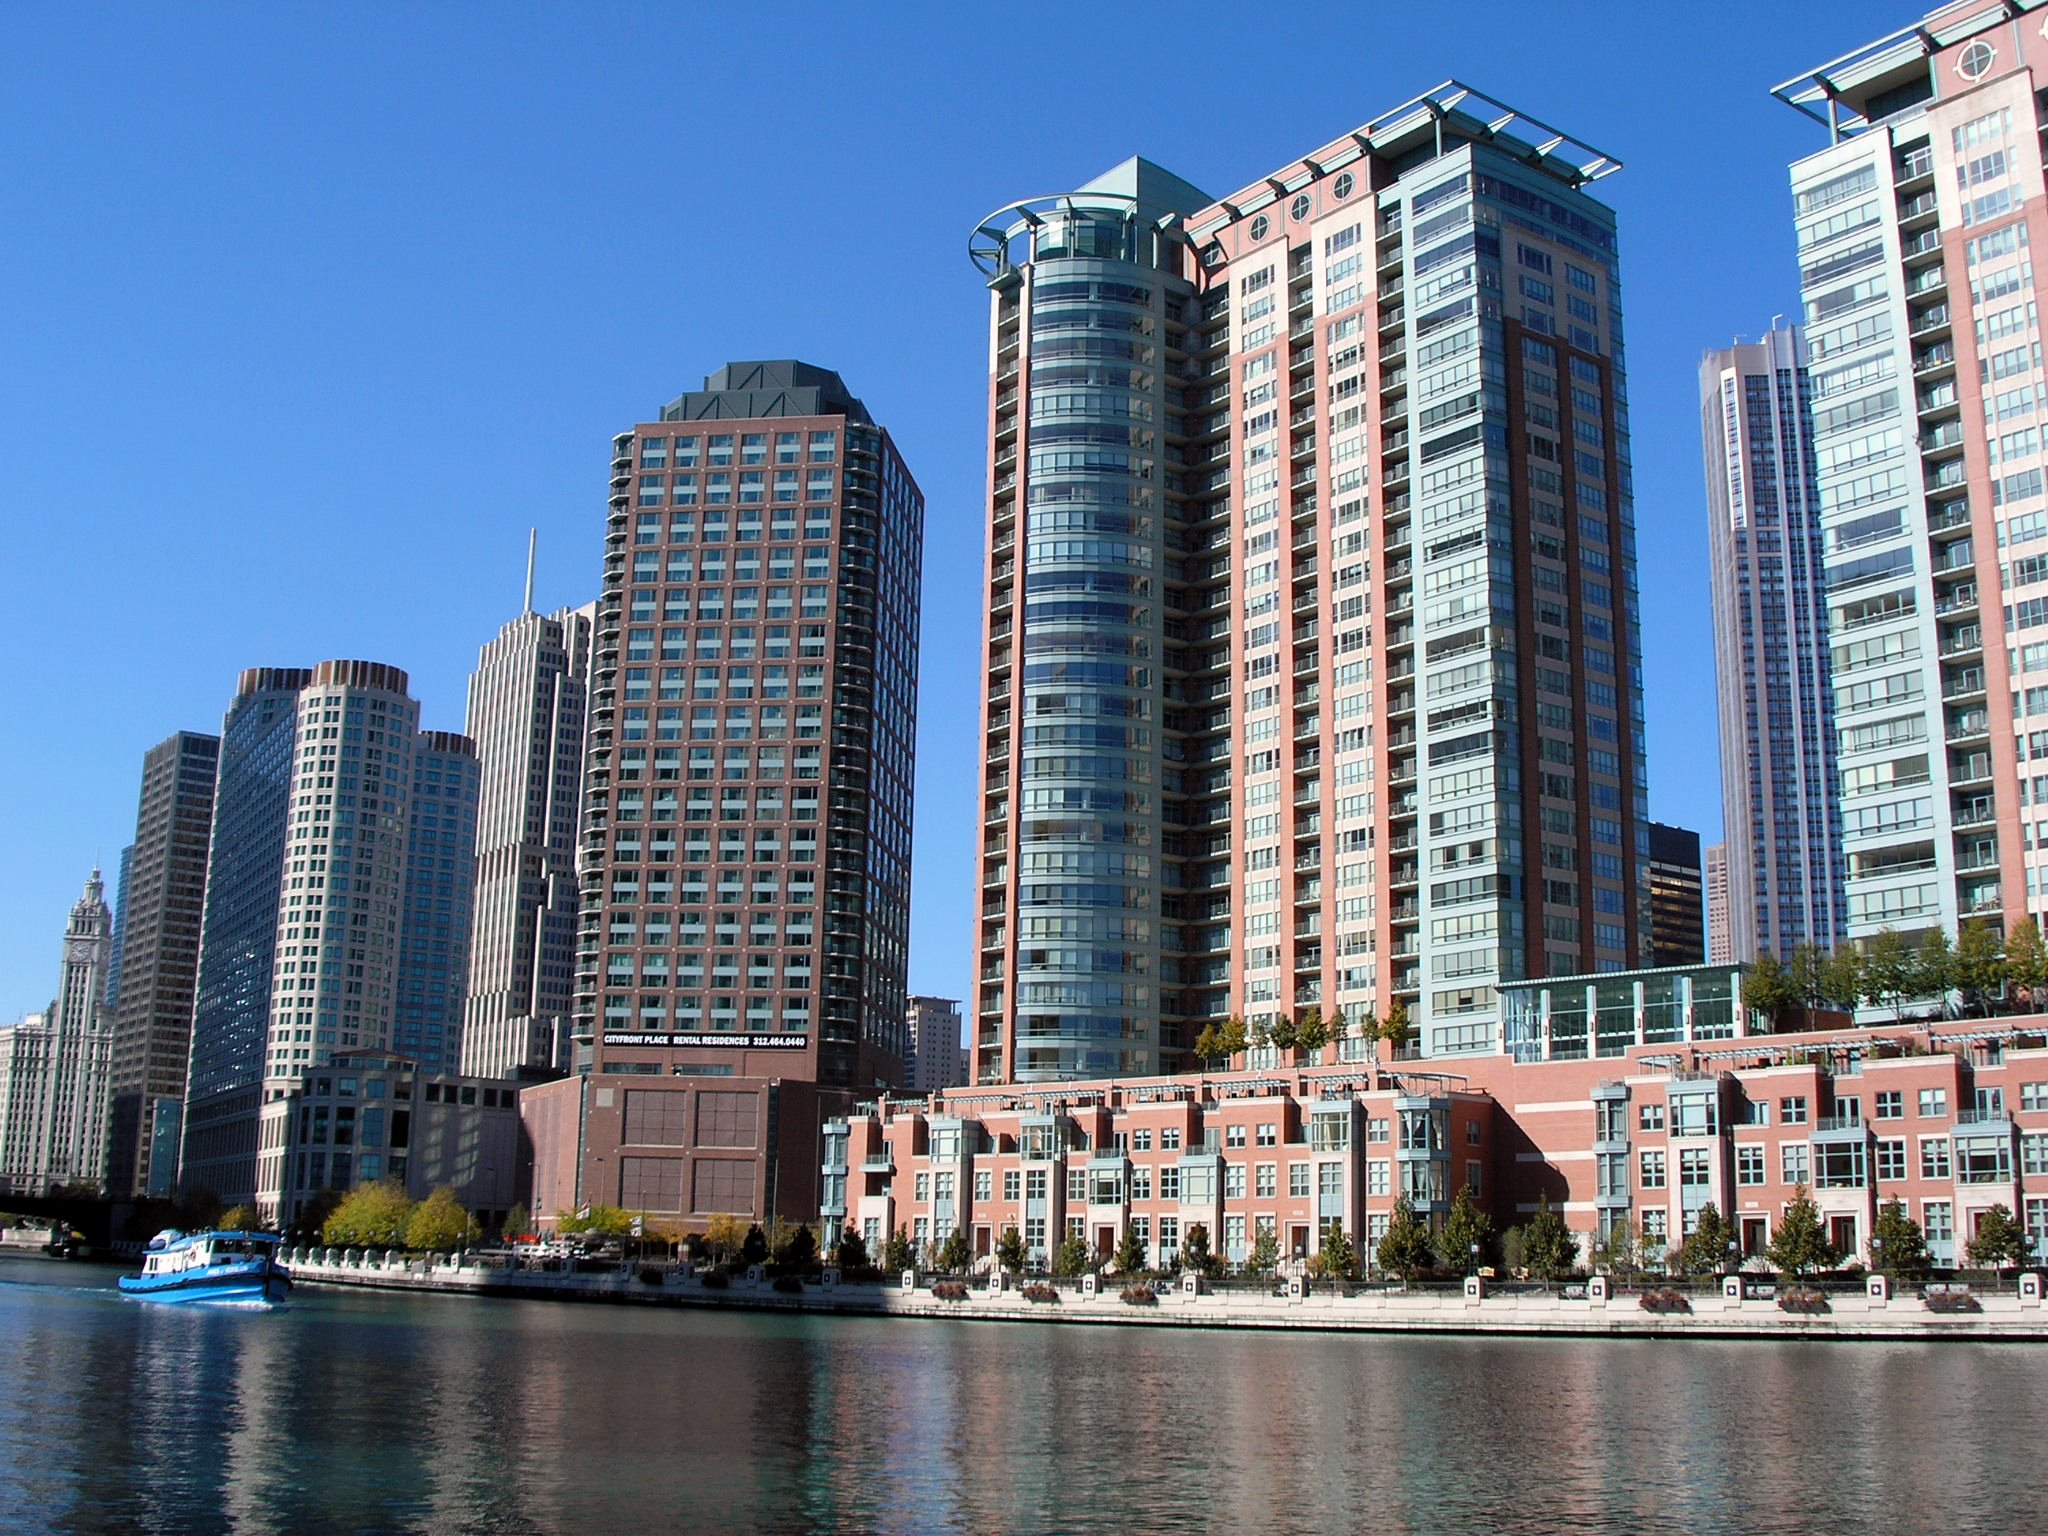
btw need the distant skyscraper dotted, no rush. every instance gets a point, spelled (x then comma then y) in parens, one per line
(238, 939)
(1924, 344)
(346, 890)
(1678, 930)
(1720, 946)
(1312, 657)
(164, 902)
(55, 1123)
(1765, 550)
(746, 843)
(527, 703)
(120, 923)
(937, 1059)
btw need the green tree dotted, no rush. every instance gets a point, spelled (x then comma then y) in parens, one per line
(1807, 972)
(2026, 958)
(754, 1247)
(596, 1220)
(801, 1252)
(1010, 1250)
(1980, 965)
(238, 1218)
(1999, 1241)
(1130, 1254)
(1549, 1247)
(898, 1253)
(725, 1235)
(1310, 1032)
(1897, 1245)
(1282, 1033)
(1841, 978)
(518, 1221)
(1395, 1028)
(1195, 1253)
(1339, 1028)
(1337, 1256)
(853, 1250)
(371, 1216)
(1405, 1248)
(1265, 1254)
(1072, 1259)
(954, 1254)
(1233, 1038)
(1209, 1043)
(1705, 1249)
(437, 1224)
(1800, 1243)
(1466, 1228)
(1934, 968)
(1890, 971)
(1619, 1250)
(1768, 990)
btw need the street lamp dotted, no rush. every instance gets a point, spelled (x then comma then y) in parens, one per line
(1475, 1260)
(1877, 1253)
(1733, 1265)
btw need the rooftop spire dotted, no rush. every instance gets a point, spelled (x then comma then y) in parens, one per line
(532, 542)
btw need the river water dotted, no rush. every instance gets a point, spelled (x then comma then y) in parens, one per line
(353, 1411)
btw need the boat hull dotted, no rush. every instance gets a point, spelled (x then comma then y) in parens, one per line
(251, 1285)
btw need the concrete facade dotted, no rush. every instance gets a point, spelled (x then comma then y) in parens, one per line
(937, 1058)
(53, 1090)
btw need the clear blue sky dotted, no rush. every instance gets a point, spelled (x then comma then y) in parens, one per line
(307, 313)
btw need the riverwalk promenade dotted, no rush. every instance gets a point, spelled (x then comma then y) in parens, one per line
(1740, 1307)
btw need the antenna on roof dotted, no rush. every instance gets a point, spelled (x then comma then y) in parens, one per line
(532, 541)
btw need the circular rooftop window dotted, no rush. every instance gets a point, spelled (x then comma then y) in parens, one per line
(1259, 227)
(1299, 207)
(1976, 60)
(1344, 184)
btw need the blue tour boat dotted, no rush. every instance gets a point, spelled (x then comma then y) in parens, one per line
(232, 1268)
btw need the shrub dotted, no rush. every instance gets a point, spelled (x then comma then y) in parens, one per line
(1038, 1290)
(713, 1281)
(1664, 1301)
(1952, 1301)
(789, 1285)
(1141, 1296)
(650, 1274)
(950, 1290)
(1803, 1298)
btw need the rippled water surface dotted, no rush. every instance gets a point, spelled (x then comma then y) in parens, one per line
(351, 1411)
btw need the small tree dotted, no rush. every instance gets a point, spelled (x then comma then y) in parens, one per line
(853, 1250)
(1130, 1254)
(518, 1221)
(1889, 971)
(1705, 1249)
(1934, 968)
(1466, 1229)
(1405, 1248)
(726, 1235)
(1010, 1250)
(1619, 1250)
(801, 1252)
(1395, 1028)
(1282, 1033)
(899, 1253)
(1072, 1259)
(597, 1220)
(238, 1218)
(1310, 1032)
(954, 1254)
(754, 1246)
(1999, 1241)
(1265, 1254)
(312, 1217)
(1769, 990)
(1979, 965)
(1209, 1043)
(1897, 1245)
(1195, 1255)
(1800, 1243)
(437, 1223)
(372, 1216)
(1339, 1259)
(1841, 977)
(1807, 973)
(1232, 1037)
(1549, 1247)
(2026, 958)
(1339, 1028)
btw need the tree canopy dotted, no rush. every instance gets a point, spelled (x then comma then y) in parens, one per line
(371, 1216)
(437, 1224)
(1800, 1243)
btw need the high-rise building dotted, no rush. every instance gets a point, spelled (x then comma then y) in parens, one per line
(53, 1125)
(746, 846)
(937, 1058)
(162, 904)
(238, 934)
(120, 923)
(1678, 918)
(1922, 341)
(527, 700)
(1720, 939)
(337, 922)
(1765, 556)
(1312, 659)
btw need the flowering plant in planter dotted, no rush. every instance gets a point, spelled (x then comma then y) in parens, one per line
(1141, 1296)
(1665, 1300)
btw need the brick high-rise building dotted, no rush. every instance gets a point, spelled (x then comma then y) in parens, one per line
(746, 841)
(1915, 233)
(1765, 553)
(1312, 662)
(527, 701)
(163, 900)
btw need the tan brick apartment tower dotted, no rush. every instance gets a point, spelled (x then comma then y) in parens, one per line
(745, 864)
(1312, 671)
